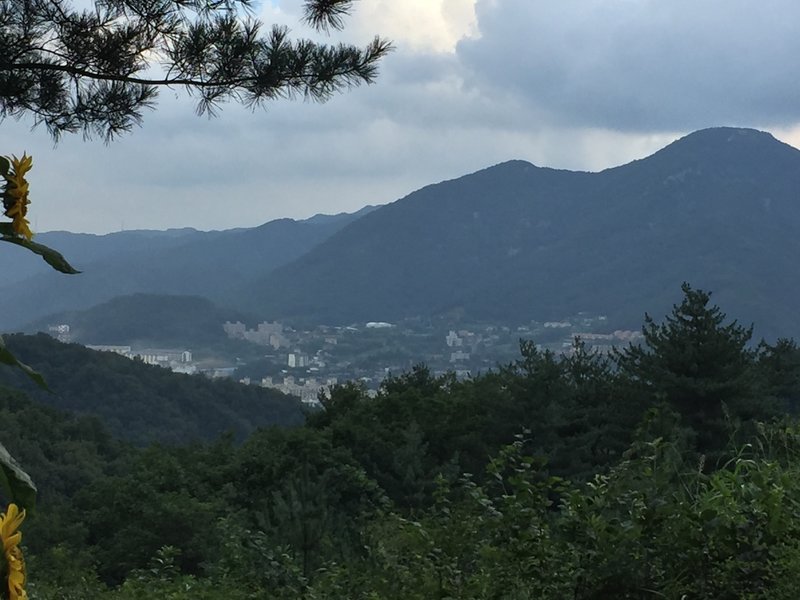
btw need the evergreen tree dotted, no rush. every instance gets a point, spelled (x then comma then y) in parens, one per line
(95, 70)
(695, 362)
(779, 368)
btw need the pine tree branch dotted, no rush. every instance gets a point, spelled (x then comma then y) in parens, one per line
(88, 70)
(337, 72)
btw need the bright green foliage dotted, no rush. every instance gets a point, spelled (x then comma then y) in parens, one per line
(304, 493)
(491, 541)
(167, 499)
(654, 526)
(405, 436)
(658, 523)
(251, 561)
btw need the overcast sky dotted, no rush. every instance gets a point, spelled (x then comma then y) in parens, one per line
(574, 84)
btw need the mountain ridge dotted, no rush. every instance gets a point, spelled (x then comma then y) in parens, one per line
(176, 262)
(151, 320)
(505, 242)
(142, 403)
(516, 242)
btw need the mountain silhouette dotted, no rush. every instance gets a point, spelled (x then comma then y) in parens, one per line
(174, 262)
(719, 208)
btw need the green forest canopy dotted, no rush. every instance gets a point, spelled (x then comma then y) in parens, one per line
(581, 476)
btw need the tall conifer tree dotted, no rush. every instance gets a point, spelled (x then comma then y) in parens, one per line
(695, 362)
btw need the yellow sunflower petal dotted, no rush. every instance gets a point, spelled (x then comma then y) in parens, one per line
(12, 541)
(21, 165)
(14, 515)
(11, 537)
(15, 196)
(23, 227)
(11, 520)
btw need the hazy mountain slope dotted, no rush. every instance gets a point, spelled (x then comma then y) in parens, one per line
(81, 249)
(143, 403)
(190, 263)
(147, 320)
(719, 208)
(421, 253)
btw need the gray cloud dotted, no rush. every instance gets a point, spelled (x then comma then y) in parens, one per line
(579, 84)
(641, 65)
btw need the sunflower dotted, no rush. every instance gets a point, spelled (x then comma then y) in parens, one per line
(15, 565)
(15, 196)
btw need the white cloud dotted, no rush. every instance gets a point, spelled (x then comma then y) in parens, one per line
(412, 25)
(417, 25)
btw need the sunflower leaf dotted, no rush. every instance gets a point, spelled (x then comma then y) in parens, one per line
(8, 358)
(50, 256)
(15, 482)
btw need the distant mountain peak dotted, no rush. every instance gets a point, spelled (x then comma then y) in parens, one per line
(516, 163)
(729, 135)
(725, 150)
(510, 166)
(515, 242)
(741, 138)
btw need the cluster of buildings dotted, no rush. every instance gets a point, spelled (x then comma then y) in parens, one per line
(306, 364)
(60, 332)
(604, 342)
(307, 389)
(265, 333)
(461, 344)
(177, 360)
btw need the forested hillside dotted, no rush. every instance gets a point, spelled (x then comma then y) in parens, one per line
(142, 403)
(155, 320)
(669, 470)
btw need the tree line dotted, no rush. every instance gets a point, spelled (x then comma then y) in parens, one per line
(664, 469)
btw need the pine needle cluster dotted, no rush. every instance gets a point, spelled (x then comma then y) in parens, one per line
(94, 71)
